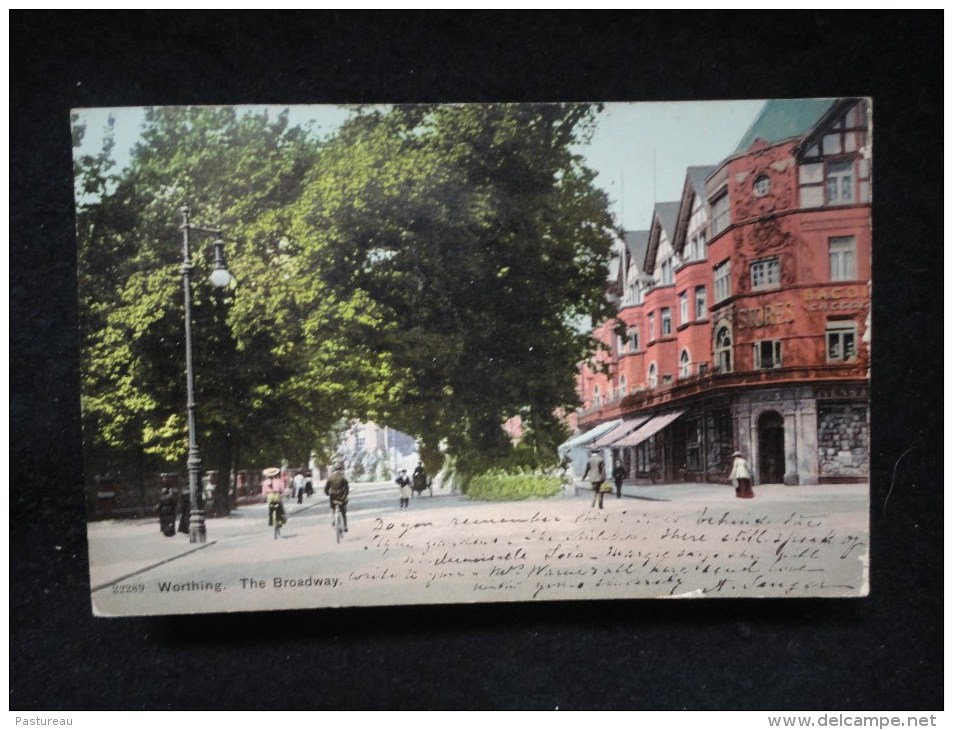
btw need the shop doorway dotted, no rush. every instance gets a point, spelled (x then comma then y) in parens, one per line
(771, 448)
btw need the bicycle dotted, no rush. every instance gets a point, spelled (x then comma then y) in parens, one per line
(274, 518)
(337, 520)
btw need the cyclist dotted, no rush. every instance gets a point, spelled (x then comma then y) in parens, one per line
(273, 487)
(338, 489)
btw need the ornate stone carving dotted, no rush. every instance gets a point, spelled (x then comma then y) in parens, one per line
(780, 195)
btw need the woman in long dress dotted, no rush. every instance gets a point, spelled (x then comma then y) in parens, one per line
(741, 474)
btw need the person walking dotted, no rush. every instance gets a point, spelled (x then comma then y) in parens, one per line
(166, 510)
(337, 489)
(420, 478)
(298, 486)
(741, 474)
(618, 474)
(185, 511)
(403, 482)
(596, 471)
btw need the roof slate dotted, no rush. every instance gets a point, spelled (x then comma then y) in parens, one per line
(668, 215)
(637, 242)
(782, 119)
(697, 174)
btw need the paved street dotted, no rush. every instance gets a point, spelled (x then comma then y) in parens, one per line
(678, 540)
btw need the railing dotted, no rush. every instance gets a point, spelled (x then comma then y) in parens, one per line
(708, 383)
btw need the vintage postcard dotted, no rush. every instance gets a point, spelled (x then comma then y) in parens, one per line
(444, 353)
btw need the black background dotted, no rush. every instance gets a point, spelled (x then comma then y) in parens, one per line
(883, 652)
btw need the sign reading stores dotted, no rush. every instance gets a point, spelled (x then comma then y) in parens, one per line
(765, 316)
(837, 299)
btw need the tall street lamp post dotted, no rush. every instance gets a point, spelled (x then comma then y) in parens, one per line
(219, 278)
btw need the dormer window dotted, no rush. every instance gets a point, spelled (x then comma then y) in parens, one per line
(840, 183)
(696, 248)
(833, 170)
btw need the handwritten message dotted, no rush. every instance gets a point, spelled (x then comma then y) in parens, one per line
(619, 553)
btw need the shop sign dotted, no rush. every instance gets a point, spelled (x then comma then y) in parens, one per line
(837, 299)
(769, 314)
(841, 392)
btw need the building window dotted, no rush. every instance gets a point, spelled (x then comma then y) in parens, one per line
(723, 281)
(767, 354)
(667, 272)
(765, 273)
(723, 349)
(595, 396)
(841, 341)
(762, 186)
(666, 321)
(843, 440)
(719, 214)
(719, 441)
(623, 385)
(693, 444)
(840, 182)
(843, 258)
(653, 376)
(684, 364)
(651, 326)
(701, 308)
(634, 339)
(634, 293)
(683, 307)
(699, 246)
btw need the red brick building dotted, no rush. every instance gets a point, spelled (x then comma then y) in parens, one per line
(743, 312)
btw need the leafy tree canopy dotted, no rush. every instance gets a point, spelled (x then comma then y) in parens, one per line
(423, 268)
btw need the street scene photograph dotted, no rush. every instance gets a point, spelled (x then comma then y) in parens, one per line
(382, 355)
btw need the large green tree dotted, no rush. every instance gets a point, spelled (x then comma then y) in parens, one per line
(477, 234)
(268, 380)
(425, 267)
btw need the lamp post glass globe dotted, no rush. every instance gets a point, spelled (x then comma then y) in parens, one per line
(220, 276)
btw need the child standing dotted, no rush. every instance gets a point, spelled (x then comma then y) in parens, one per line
(403, 481)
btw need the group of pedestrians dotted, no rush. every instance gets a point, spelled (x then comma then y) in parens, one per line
(273, 487)
(171, 503)
(740, 476)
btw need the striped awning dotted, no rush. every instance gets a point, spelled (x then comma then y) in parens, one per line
(623, 429)
(593, 433)
(649, 429)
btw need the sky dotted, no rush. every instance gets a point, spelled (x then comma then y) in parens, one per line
(639, 150)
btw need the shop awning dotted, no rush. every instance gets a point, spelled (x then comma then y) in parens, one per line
(648, 429)
(591, 435)
(623, 429)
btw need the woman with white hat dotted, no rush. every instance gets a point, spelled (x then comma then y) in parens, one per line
(741, 471)
(274, 488)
